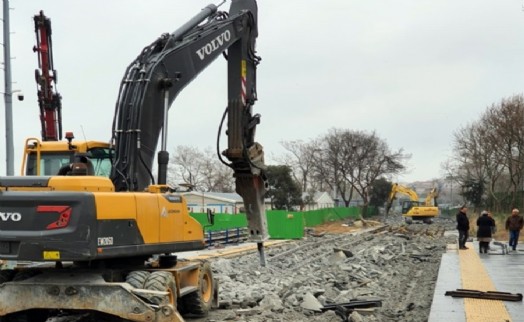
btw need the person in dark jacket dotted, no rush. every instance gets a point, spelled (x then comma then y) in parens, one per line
(462, 227)
(514, 224)
(485, 228)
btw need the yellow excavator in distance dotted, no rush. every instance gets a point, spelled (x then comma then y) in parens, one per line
(413, 209)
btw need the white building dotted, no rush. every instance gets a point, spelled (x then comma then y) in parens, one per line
(319, 200)
(219, 202)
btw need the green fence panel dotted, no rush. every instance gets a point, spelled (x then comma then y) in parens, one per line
(317, 217)
(282, 224)
(222, 221)
(285, 225)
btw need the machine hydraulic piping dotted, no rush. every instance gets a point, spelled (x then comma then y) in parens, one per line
(156, 77)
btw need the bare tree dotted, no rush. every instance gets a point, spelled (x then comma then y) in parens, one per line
(350, 161)
(508, 122)
(215, 175)
(300, 158)
(369, 158)
(449, 170)
(328, 158)
(202, 170)
(491, 150)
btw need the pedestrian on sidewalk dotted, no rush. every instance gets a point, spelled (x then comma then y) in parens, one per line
(494, 227)
(514, 224)
(462, 227)
(485, 228)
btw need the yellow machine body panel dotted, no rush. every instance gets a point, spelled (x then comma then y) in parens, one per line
(161, 218)
(111, 206)
(35, 145)
(153, 218)
(64, 183)
(422, 211)
(148, 222)
(81, 183)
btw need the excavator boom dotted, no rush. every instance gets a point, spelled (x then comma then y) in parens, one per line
(431, 198)
(396, 188)
(155, 78)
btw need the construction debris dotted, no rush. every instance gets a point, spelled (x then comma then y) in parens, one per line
(304, 277)
(489, 295)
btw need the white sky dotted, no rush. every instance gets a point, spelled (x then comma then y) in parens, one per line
(413, 71)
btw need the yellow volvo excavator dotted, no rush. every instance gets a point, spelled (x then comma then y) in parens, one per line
(105, 244)
(413, 209)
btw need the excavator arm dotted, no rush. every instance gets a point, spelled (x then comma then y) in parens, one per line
(155, 78)
(431, 198)
(396, 188)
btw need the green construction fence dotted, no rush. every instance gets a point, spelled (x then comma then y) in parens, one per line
(281, 224)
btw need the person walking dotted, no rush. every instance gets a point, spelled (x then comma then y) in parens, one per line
(514, 224)
(484, 232)
(494, 227)
(462, 227)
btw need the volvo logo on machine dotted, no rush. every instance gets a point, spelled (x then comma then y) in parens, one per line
(213, 45)
(10, 216)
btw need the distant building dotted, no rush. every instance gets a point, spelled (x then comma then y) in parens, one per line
(318, 200)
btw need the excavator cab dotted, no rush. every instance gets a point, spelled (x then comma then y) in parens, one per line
(48, 157)
(408, 204)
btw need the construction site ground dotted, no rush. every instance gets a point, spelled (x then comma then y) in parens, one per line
(407, 268)
(377, 270)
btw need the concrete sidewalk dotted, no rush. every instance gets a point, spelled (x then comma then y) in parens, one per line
(460, 270)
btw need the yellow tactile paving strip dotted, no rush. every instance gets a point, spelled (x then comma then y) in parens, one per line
(475, 277)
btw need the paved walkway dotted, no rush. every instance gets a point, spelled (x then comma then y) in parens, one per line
(467, 269)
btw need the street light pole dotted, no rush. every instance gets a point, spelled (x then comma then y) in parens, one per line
(8, 94)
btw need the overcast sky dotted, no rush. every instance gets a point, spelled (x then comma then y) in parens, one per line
(413, 71)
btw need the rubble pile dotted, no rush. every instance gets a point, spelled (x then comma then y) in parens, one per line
(396, 266)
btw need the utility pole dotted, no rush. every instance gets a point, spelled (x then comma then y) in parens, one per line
(8, 95)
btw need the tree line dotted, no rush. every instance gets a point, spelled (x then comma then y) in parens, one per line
(344, 163)
(488, 156)
(487, 164)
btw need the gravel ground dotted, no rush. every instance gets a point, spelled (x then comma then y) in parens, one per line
(392, 265)
(397, 266)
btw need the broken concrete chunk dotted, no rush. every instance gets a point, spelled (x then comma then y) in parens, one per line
(271, 302)
(310, 302)
(346, 252)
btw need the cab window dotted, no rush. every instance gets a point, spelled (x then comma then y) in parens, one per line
(51, 162)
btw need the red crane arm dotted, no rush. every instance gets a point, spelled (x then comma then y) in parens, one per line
(49, 101)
